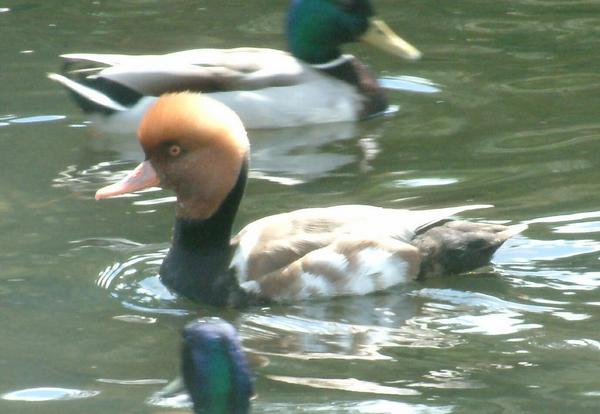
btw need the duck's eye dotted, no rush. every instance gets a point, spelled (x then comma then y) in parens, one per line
(174, 150)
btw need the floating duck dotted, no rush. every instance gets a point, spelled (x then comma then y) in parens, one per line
(198, 147)
(267, 88)
(214, 369)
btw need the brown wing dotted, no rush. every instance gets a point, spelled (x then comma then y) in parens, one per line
(276, 241)
(346, 266)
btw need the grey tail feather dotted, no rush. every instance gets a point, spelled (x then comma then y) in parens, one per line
(97, 94)
(513, 230)
(437, 216)
(456, 247)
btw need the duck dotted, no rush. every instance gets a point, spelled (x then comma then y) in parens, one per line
(314, 83)
(214, 370)
(198, 147)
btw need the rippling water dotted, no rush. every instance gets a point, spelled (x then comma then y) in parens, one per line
(503, 109)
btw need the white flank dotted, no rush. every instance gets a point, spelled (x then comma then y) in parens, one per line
(314, 286)
(124, 122)
(246, 245)
(251, 286)
(324, 100)
(329, 258)
(378, 270)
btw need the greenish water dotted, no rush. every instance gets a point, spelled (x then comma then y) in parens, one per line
(515, 124)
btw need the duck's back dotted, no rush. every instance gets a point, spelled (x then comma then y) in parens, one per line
(348, 243)
(267, 88)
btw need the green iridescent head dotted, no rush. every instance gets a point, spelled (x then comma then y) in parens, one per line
(317, 28)
(214, 368)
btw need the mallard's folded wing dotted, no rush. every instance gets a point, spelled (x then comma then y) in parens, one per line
(203, 70)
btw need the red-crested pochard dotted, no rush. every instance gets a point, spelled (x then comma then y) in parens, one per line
(198, 147)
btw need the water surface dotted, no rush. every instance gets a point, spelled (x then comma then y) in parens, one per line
(513, 121)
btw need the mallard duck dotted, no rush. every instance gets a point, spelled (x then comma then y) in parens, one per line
(268, 88)
(214, 369)
(198, 147)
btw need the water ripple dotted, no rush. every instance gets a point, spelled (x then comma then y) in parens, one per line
(279, 156)
(145, 381)
(344, 384)
(556, 3)
(566, 217)
(550, 250)
(110, 243)
(494, 324)
(305, 338)
(136, 319)
(584, 343)
(579, 228)
(589, 25)
(558, 279)
(424, 182)
(448, 379)
(37, 119)
(480, 300)
(269, 23)
(354, 407)
(136, 284)
(48, 394)
(409, 83)
(499, 27)
(88, 180)
(181, 400)
(117, 271)
(551, 84)
(377, 406)
(472, 312)
(540, 139)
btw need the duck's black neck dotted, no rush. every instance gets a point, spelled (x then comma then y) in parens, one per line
(349, 69)
(198, 260)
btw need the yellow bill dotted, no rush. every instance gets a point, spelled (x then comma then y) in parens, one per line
(380, 35)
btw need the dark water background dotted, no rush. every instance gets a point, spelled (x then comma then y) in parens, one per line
(515, 123)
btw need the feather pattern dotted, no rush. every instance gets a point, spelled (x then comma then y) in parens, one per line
(341, 250)
(263, 86)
